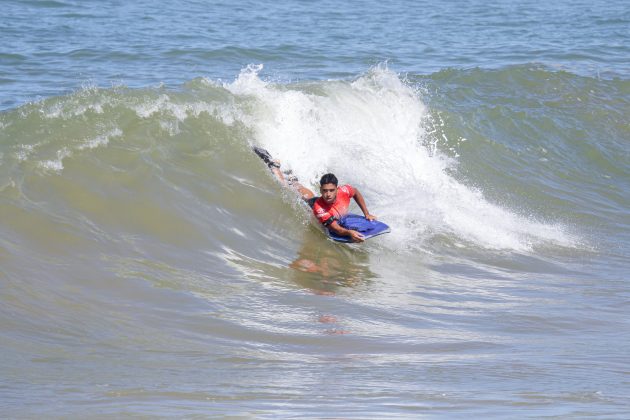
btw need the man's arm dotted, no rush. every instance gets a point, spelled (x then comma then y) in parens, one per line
(341, 231)
(361, 202)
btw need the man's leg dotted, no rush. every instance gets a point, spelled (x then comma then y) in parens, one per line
(292, 182)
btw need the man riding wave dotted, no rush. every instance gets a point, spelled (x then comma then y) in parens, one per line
(331, 206)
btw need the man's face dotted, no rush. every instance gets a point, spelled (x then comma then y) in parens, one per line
(329, 193)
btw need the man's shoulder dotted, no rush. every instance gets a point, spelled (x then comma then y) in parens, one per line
(347, 189)
(319, 206)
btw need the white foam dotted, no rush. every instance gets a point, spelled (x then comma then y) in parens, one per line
(371, 134)
(56, 165)
(166, 106)
(101, 140)
(148, 108)
(76, 104)
(24, 151)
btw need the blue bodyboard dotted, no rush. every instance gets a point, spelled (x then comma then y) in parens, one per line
(367, 228)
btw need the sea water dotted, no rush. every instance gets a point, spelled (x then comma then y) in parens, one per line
(151, 266)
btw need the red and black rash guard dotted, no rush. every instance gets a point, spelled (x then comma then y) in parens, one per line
(327, 213)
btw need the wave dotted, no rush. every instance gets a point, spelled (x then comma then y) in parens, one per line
(451, 160)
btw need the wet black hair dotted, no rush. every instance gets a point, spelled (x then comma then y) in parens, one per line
(328, 179)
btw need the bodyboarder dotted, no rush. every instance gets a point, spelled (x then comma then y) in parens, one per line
(331, 206)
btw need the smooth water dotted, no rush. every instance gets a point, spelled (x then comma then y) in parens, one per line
(151, 266)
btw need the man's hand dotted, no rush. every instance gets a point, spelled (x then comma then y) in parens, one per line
(353, 234)
(356, 236)
(361, 202)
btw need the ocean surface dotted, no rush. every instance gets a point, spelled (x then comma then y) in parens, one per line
(151, 266)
